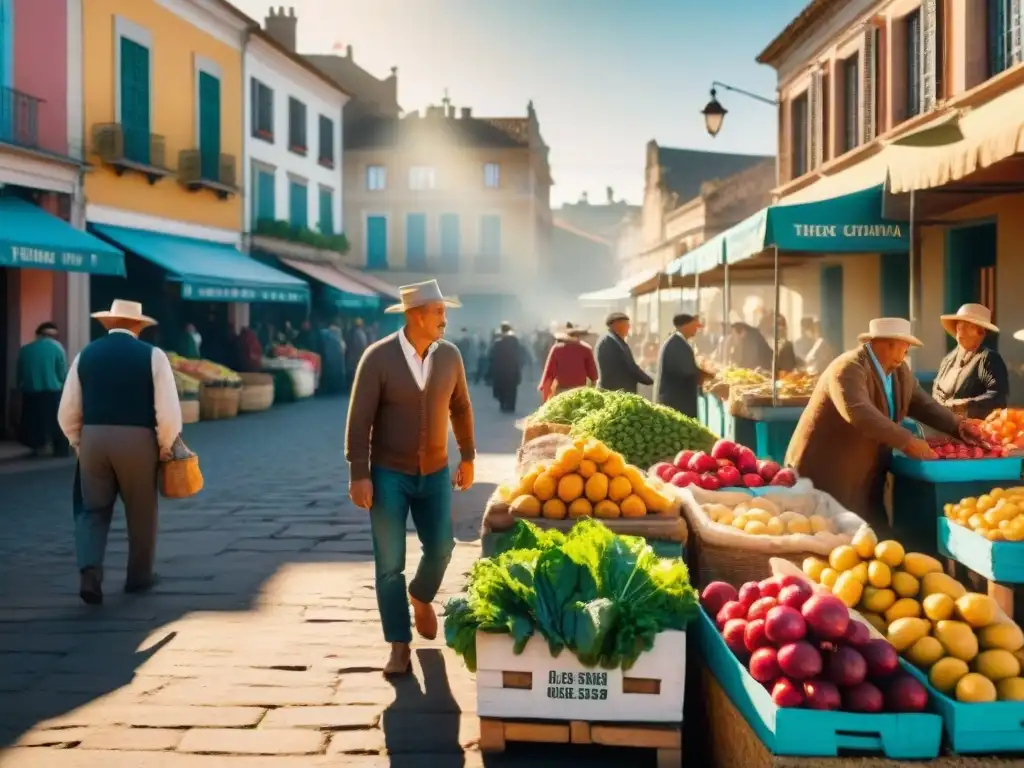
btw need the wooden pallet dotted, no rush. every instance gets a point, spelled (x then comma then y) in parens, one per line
(666, 739)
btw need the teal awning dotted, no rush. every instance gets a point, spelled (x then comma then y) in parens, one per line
(705, 257)
(32, 238)
(209, 271)
(850, 223)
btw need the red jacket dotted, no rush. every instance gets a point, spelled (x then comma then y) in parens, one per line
(569, 365)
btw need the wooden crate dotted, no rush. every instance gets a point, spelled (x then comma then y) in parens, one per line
(535, 685)
(667, 740)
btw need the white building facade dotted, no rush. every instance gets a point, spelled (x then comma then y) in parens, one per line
(293, 142)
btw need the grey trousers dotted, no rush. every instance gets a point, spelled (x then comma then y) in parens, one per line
(117, 461)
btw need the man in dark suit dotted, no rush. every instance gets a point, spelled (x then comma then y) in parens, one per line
(616, 368)
(678, 375)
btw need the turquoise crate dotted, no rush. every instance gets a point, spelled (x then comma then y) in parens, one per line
(956, 470)
(811, 733)
(1001, 561)
(978, 729)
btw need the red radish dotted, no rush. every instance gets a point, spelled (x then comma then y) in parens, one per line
(729, 476)
(760, 608)
(821, 694)
(700, 463)
(709, 482)
(770, 587)
(764, 665)
(754, 636)
(767, 469)
(785, 478)
(715, 595)
(731, 610)
(752, 480)
(826, 616)
(749, 592)
(863, 697)
(685, 479)
(746, 461)
(906, 694)
(786, 693)
(795, 595)
(663, 470)
(857, 633)
(784, 625)
(732, 633)
(682, 459)
(800, 660)
(725, 449)
(846, 667)
(881, 658)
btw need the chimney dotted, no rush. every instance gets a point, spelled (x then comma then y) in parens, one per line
(282, 27)
(467, 113)
(348, 51)
(434, 111)
(611, 195)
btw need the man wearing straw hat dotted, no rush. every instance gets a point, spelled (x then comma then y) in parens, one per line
(120, 412)
(844, 439)
(972, 380)
(408, 387)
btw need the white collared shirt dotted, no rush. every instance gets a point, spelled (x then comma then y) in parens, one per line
(420, 366)
(165, 401)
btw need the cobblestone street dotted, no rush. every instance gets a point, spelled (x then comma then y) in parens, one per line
(260, 647)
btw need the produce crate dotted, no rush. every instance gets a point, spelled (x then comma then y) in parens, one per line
(497, 519)
(257, 392)
(917, 504)
(535, 685)
(218, 402)
(979, 728)
(958, 470)
(1001, 563)
(910, 736)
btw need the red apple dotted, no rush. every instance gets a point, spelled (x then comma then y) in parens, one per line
(663, 470)
(729, 476)
(709, 482)
(685, 479)
(767, 469)
(787, 694)
(770, 587)
(701, 463)
(725, 463)
(731, 610)
(717, 594)
(732, 633)
(760, 608)
(751, 480)
(748, 593)
(746, 461)
(785, 478)
(754, 636)
(725, 449)
(682, 459)
(795, 595)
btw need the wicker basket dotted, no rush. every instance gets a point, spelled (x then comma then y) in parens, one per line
(729, 564)
(189, 411)
(257, 392)
(217, 402)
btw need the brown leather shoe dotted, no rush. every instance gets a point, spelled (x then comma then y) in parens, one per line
(400, 661)
(90, 586)
(424, 618)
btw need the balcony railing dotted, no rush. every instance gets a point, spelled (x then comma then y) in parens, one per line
(127, 149)
(19, 118)
(208, 170)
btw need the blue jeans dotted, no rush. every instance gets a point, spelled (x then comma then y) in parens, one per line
(429, 499)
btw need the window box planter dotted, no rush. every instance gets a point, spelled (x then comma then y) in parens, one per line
(326, 162)
(298, 150)
(260, 133)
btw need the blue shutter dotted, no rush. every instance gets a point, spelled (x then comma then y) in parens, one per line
(209, 126)
(135, 107)
(895, 282)
(832, 306)
(326, 222)
(376, 242)
(490, 244)
(416, 241)
(266, 203)
(298, 203)
(451, 241)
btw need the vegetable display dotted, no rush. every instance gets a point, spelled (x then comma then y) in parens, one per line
(729, 465)
(997, 515)
(205, 371)
(601, 596)
(961, 640)
(570, 406)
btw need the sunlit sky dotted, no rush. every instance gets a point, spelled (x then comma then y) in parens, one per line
(605, 76)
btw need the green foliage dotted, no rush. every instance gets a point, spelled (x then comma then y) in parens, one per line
(283, 230)
(602, 596)
(570, 406)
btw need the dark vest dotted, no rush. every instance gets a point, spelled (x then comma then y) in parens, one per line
(116, 373)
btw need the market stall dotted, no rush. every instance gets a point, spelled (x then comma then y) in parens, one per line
(218, 389)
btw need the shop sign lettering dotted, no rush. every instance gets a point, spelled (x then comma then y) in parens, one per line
(584, 686)
(40, 257)
(848, 230)
(223, 293)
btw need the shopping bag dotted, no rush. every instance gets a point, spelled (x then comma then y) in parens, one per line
(180, 476)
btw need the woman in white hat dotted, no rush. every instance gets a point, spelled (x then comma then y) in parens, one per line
(972, 380)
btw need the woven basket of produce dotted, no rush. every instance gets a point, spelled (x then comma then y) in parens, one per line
(534, 429)
(218, 402)
(189, 411)
(257, 392)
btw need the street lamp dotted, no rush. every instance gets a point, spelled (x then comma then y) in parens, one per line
(714, 113)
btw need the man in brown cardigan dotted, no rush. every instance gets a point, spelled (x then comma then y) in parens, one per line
(407, 389)
(844, 440)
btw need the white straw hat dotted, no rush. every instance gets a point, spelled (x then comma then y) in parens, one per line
(976, 314)
(895, 328)
(418, 294)
(120, 309)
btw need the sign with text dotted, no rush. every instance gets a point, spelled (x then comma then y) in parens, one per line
(34, 257)
(200, 292)
(584, 686)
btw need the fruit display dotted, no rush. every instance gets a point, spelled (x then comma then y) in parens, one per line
(642, 431)
(763, 517)
(205, 371)
(997, 515)
(807, 650)
(1005, 427)
(792, 385)
(946, 448)
(586, 479)
(185, 384)
(600, 596)
(728, 465)
(961, 640)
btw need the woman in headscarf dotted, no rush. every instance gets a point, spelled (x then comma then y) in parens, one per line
(972, 380)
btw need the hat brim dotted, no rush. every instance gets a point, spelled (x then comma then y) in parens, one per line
(106, 314)
(949, 323)
(908, 338)
(1019, 335)
(397, 309)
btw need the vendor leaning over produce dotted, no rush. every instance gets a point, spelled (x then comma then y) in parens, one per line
(407, 389)
(844, 439)
(617, 370)
(679, 376)
(570, 363)
(972, 380)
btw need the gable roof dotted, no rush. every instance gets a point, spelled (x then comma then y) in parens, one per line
(354, 80)
(684, 171)
(504, 132)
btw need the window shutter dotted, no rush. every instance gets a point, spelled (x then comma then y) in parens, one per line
(209, 126)
(816, 129)
(135, 100)
(785, 166)
(869, 85)
(1016, 30)
(930, 61)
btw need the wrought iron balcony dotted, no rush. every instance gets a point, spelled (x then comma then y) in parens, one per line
(208, 170)
(19, 118)
(126, 149)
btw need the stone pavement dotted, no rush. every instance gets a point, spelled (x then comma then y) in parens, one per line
(260, 648)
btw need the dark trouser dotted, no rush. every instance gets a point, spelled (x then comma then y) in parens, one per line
(117, 461)
(505, 391)
(39, 422)
(429, 499)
